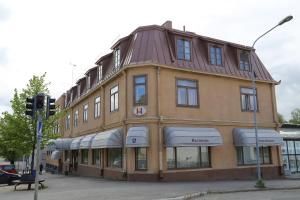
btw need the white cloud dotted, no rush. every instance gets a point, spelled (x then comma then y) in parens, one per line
(45, 36)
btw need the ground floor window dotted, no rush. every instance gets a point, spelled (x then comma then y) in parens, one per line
(84, 156)
(141, 158)
(291, 155)
(96, 156)
(114, 157)
(66, 155)
(188, 157)
(247, 155)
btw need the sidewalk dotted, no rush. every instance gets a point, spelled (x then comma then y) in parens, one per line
(220, 187)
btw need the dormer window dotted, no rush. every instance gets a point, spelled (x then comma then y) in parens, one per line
(117, 58)
(183, 49)
(66, 100)
(244, 61)
(88, 82)
(99, 73)
(215, 55)
(71, 97)
(78, 90)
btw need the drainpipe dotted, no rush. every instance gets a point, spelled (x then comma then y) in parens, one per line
(125, 128)
(160, 143)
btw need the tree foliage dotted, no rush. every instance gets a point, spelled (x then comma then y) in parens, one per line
(295, 116)
(281, 118)
(18, 131)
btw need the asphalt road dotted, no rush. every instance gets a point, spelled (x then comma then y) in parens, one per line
(261, 195)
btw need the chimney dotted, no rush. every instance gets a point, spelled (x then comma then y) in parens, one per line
(167, 24)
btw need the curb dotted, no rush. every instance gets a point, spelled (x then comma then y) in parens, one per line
(201, 194)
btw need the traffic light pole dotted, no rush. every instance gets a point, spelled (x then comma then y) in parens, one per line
(37, 160)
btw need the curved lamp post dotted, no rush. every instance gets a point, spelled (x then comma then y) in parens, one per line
(259, 182)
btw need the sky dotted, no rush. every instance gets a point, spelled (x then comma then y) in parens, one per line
(38, 36)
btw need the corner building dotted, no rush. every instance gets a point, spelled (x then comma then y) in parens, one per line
(170, 105)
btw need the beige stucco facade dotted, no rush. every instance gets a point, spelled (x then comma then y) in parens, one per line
(219, 107)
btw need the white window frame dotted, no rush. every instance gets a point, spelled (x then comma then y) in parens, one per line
(97, 107)
(85, 112)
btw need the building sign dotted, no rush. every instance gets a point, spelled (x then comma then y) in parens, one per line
(198, 140)
(139, 110)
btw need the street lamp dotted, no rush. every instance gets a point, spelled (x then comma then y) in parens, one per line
(259, 182)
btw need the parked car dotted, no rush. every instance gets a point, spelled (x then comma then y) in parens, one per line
(8, 168)
(8, 178)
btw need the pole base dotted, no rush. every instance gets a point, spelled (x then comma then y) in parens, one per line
(260, 184)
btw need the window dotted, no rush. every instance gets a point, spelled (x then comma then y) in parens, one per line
(88, 82)
(99, 73)
(67, 155)
(76, 118)
(247, 155)
(188, 157)
(78, 90)
(96, 157)
(291, 155)
(141, 158)
(117, 58)
(247, 98)
(187, 93)
(114, 157)
(215, 55)
(140, 90)
(244, 61)
(97, 107)
(85, 113)
(114, 98)
(68, 122)
(84, 156)
(183, 49)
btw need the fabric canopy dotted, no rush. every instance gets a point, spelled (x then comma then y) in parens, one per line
(190, 136)
(266, 137)
(87, 141)
(76, 143)
(108, 139)
(137, 137)
(55, 155)
(62, 143)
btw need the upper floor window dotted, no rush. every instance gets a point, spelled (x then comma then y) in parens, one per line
(68, 118)
(215, 55)
(97, 107)
(114, 98)
(247, 98)
(140, 90)
(183, 49)
(76, 118)
(117, 58)
(244, 61)
(187, 93)
(85, 112)
(100, 73)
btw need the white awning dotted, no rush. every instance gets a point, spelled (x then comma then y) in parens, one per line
(108, 139)
(76, 143)
(55, 155)
(190, 136)
(266, 137)
(87, 141)
(137, 137)
(62, 143)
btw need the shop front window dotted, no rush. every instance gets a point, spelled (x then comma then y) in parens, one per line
(141, 158)
(247, 155)
(96, 157)
(84, 156)
(188, 157)
(114, 158)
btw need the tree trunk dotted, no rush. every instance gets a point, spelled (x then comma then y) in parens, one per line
(32, 157)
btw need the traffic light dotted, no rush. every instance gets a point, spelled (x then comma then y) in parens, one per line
(30, 107)
(50, 107)
(40, 99)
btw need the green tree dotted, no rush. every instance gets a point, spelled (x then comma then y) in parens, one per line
(281, 118)
(18, 131)
(295, 116)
